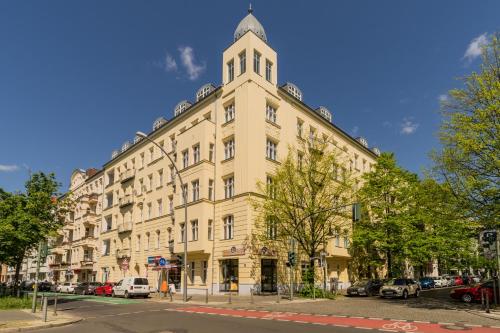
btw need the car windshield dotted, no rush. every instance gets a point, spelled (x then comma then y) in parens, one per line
(396, 282)
(361, 283)
(141, 281)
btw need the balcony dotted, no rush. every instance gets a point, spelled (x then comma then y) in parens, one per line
(127, 175)
(123, 253)
(86, 262)
(125, 227)
(89, 218)
(125, 201)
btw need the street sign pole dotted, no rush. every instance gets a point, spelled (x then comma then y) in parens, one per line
(35, 290)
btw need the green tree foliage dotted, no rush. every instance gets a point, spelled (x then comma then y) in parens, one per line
(28, 218)
(307, 201)
(470, 158)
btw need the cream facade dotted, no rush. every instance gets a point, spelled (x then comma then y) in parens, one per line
(231, 137)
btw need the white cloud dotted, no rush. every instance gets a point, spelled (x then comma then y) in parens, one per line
(8, 168)
(408, 126)
(474, 49)
(443, 98)
(355, 130)
(170, 63)
(193, 69)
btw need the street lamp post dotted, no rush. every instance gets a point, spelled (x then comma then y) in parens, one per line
(184, 291)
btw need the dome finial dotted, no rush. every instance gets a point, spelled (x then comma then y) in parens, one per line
(250, 10)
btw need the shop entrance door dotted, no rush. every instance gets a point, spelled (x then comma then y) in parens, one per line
(269, 275)
(229, 275)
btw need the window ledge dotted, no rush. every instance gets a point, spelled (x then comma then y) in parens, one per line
(274, 161)
(227, 160)
(228, 122)
(273, 123)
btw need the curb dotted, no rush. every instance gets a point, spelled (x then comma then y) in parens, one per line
(39, 327)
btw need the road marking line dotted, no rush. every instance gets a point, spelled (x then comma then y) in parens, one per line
(340, 325)
(375, 318)
(283, 319)
(421, 321)
(237, 316)
(251, 310)
(386, 330)
(446, 323)
(363, 328)
(357, 317)
(300, 321)
(323, 324)
(474, 325)
(266, 318)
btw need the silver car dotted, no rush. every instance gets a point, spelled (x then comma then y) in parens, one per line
(400, 288)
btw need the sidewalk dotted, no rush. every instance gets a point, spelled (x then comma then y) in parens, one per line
(24, 320)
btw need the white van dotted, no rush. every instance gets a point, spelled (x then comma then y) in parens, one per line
(131, 286)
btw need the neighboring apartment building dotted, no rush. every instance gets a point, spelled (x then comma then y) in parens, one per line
(73, 255)
(223, 143)
(28, 270)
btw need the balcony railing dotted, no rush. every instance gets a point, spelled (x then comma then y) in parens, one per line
(87, 262)
(123, 253)
(126, 201)
(125, 227)
(127, 175)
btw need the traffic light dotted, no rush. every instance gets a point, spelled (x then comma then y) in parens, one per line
(180, 260)
(291, 258)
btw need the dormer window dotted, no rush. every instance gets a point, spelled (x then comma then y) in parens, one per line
(230, 71)
(256, 62)
(243, 62)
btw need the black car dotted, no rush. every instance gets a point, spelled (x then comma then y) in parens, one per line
(365, 288)
(86, 288)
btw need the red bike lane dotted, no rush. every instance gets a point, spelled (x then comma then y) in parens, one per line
(387, 325)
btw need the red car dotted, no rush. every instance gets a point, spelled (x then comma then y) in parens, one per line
(458, 281)
(105, 290)
(471, 294)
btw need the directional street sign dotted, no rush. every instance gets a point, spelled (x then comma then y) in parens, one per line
(162, 262)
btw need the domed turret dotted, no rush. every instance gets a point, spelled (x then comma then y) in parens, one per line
(250, 23)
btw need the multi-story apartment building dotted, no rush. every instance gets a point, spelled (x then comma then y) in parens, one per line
(230, 137)
(74, 251)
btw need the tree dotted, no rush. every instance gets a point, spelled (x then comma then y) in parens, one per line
(28, 218)
(470, 157)
(306, 199)
(381, 237)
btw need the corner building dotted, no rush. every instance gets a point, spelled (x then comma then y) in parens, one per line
(232, 136)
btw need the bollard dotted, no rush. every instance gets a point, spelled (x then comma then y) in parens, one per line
(18, 293)
(251, 295)
(171, 297)
(45, 306)
(487, 302)
(206, 296)
(55, 305)
(41, 302)
(230, 298)
(482, 300)
(278, 295)
(314, 291)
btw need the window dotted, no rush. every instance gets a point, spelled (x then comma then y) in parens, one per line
(196, 190)
(194, 230)
(269, 68)
(160, 178)
(256, 62)
(146, 244)
(196, 153)
(211, 152)
(210, 189)
(337, 240)
(272, 227)
(109, 223)
(229, 187)
(172, 174)
(192, 271)
(271, 190)
(185, 158)
(204, 266)
(271, 149)
(138, 243)
(230, 71)
(141, 214)
(270, 113)
(300, 127)
(171, 204)
(109, 199)
(210, 226)
(157, 239)
(184, 193)
(151, 154)
(229, 149)
(150, 182)
(346, 242)
(229, 113)
(300, 160)
(183, 231)
(150, 211)
(106, 244)
(160, 207)
(229, 227)
(141, 161)
(243, 62)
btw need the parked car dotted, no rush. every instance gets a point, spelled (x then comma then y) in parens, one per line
(131, 286)
(105, 289)
(44, 286)
(86, 288)
(67, 287)
(449, 281)
(365, 288)
(439, 281)
(473, 293)
(400, 288)
(459, 281)
(427, 283)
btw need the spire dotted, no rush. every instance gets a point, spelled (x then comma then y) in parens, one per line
(250, 10)
(251, 23)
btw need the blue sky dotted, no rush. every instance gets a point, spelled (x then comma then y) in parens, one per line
(78, 78)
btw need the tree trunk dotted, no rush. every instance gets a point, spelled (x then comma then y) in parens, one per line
(19, 264)
(312, 270)
(389, 264)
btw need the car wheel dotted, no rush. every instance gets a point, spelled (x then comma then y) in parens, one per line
(113, 294)
(467, 298)
(126, 295)
(405, 294)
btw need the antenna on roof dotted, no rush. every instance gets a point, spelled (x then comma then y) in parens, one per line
(250, 10)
